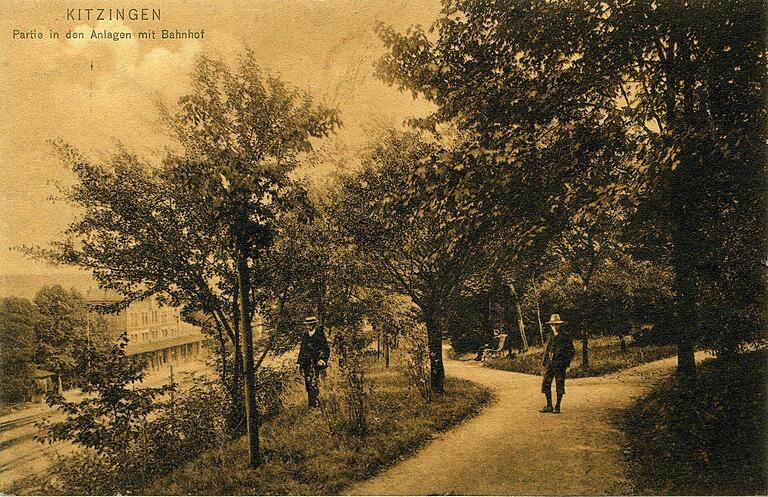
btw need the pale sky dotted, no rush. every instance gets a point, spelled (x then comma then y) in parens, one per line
(49, 91)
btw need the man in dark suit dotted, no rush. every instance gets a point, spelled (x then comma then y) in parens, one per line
(313, 357)
(558, 353)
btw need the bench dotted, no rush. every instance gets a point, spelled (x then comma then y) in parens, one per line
(499, 350)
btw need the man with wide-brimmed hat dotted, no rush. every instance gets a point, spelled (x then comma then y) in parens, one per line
(313, 358)
(558, 353)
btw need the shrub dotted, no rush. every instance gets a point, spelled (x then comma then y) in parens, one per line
(190, 423)
(706, 437)
(605, 358)
(132, 435)
(416, 366)
(344, 408)
(468, 326)
(271, 385)
(302, 457)
(180, 429)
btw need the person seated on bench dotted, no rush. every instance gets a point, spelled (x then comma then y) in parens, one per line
(499, 348)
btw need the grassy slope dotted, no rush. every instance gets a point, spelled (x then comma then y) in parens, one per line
(303, 457)
(604, 357)
(713, 443)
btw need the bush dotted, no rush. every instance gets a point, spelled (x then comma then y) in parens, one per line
(132, 435)
(604, 358)
(189, 424)
(707, 438)
(344, 403)
(343, 400)
(180, 430)
(303, 457)
(655, 334)
(467, 324)
(271, 385)
(416, 367)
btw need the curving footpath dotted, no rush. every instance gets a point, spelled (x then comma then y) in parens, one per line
(512, 449)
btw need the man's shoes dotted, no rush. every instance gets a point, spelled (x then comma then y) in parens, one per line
(556, 410)
(547, 409)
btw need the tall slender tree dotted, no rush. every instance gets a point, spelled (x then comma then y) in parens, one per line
(194, 230)
(412, 250)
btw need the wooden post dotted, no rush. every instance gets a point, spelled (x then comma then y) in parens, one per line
(173, 397)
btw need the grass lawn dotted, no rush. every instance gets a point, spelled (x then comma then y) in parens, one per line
(604, 357)
(303, 457)
(714, 443)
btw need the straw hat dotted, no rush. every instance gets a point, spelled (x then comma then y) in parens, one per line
(310, 320)
(555, 319)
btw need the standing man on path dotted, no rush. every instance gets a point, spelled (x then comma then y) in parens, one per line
(313, 357)
(558, 353)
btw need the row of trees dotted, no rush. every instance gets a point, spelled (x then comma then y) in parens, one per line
(52, 332)
(600, 127)
(573, 141)
(625, 297)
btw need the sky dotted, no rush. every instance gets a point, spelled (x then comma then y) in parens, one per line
(49, 90)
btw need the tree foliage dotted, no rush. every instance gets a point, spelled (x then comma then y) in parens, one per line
(384, 210)
(18, 318)
(66, 328)
(668, 94)
(193, 230)
(110, 418)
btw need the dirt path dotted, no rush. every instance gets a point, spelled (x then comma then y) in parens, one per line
(512, 449)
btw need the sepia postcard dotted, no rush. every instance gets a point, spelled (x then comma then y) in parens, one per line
(383, 247)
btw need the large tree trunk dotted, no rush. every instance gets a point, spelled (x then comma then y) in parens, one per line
(238, 405)
(686, 320)
(233, 382)
(435, 343)
(585, 350)
(686, 196)
(684, 247)
(246, 333)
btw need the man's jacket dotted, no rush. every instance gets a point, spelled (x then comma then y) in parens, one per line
(313, 348)
(558, 351)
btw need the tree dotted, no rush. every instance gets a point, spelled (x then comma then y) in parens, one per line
(110, 420)
(194, 230)
(18, 318)
(544, 160)
(385, 211)
(64, 331)
(697, 71)
(683, 81)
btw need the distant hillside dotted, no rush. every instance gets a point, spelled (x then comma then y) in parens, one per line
(27, 285)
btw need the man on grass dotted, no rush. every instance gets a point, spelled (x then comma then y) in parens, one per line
(313, 358)
(558, 353)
